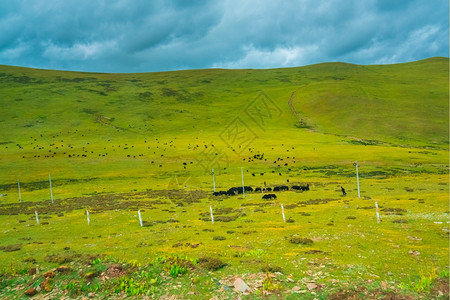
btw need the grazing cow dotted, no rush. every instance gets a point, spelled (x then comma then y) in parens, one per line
(267, 189)
(269, 196)
(234, 191)
(220, 193)
(300, 187)
(258, 189)
(281, 188)
(238, 190)
(248, 188)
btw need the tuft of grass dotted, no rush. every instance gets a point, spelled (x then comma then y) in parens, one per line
(271, 268)
(11, 248)
(402, 221)
(269, 285)
(176, 265)
(299, 240)
(211, 263)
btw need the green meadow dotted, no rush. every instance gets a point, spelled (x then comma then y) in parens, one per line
(114, 144)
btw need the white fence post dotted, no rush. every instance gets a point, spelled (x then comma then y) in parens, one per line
(140, 218)
(51, 191)
(212, 216)
(378, 214)
(357, 178)
(20, 196)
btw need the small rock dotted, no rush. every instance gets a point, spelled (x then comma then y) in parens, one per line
(415, 253)
(383, 285)
(49, 274)
(31, 292)
(241, 286)
(296, 288)
(191, 293)
(63, 269)
(91, 295)
(311, 286)
(289, 279)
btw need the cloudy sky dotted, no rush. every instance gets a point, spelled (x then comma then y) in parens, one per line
(161, 35)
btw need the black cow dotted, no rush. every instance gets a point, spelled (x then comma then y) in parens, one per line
(281, 188)
(269, 196)
(220, 193)
(238, 190)
(231, 193)
(343, 191)
(300, 187)
(267, 189)
(234, 191)
(258, 189)
(248, 188)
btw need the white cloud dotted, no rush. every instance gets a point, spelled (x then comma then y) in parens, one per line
(78, 51)
(159, 35)
(278, 57)
(14, 53)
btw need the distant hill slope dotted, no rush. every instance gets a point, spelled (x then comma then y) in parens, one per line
(407, 102)
(401, 103)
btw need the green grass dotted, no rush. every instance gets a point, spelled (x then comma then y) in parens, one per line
(118, 143)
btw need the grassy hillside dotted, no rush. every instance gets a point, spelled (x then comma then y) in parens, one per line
(405, 102)
(118, 143)
(400, 103)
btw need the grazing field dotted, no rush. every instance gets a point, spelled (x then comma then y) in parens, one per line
(116, 144)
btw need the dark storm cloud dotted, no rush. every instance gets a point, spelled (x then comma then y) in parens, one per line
(138, 36)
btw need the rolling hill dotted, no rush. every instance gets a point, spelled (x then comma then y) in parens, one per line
(404, 103)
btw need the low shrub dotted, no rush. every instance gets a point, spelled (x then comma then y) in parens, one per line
(211, 263)
(298, 240)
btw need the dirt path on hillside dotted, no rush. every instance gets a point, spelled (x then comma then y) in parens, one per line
(107, 121)
(291, 106)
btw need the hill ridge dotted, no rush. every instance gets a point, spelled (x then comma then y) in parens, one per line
(433, 58)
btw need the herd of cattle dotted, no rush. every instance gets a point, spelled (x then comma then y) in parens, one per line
(248, 189)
